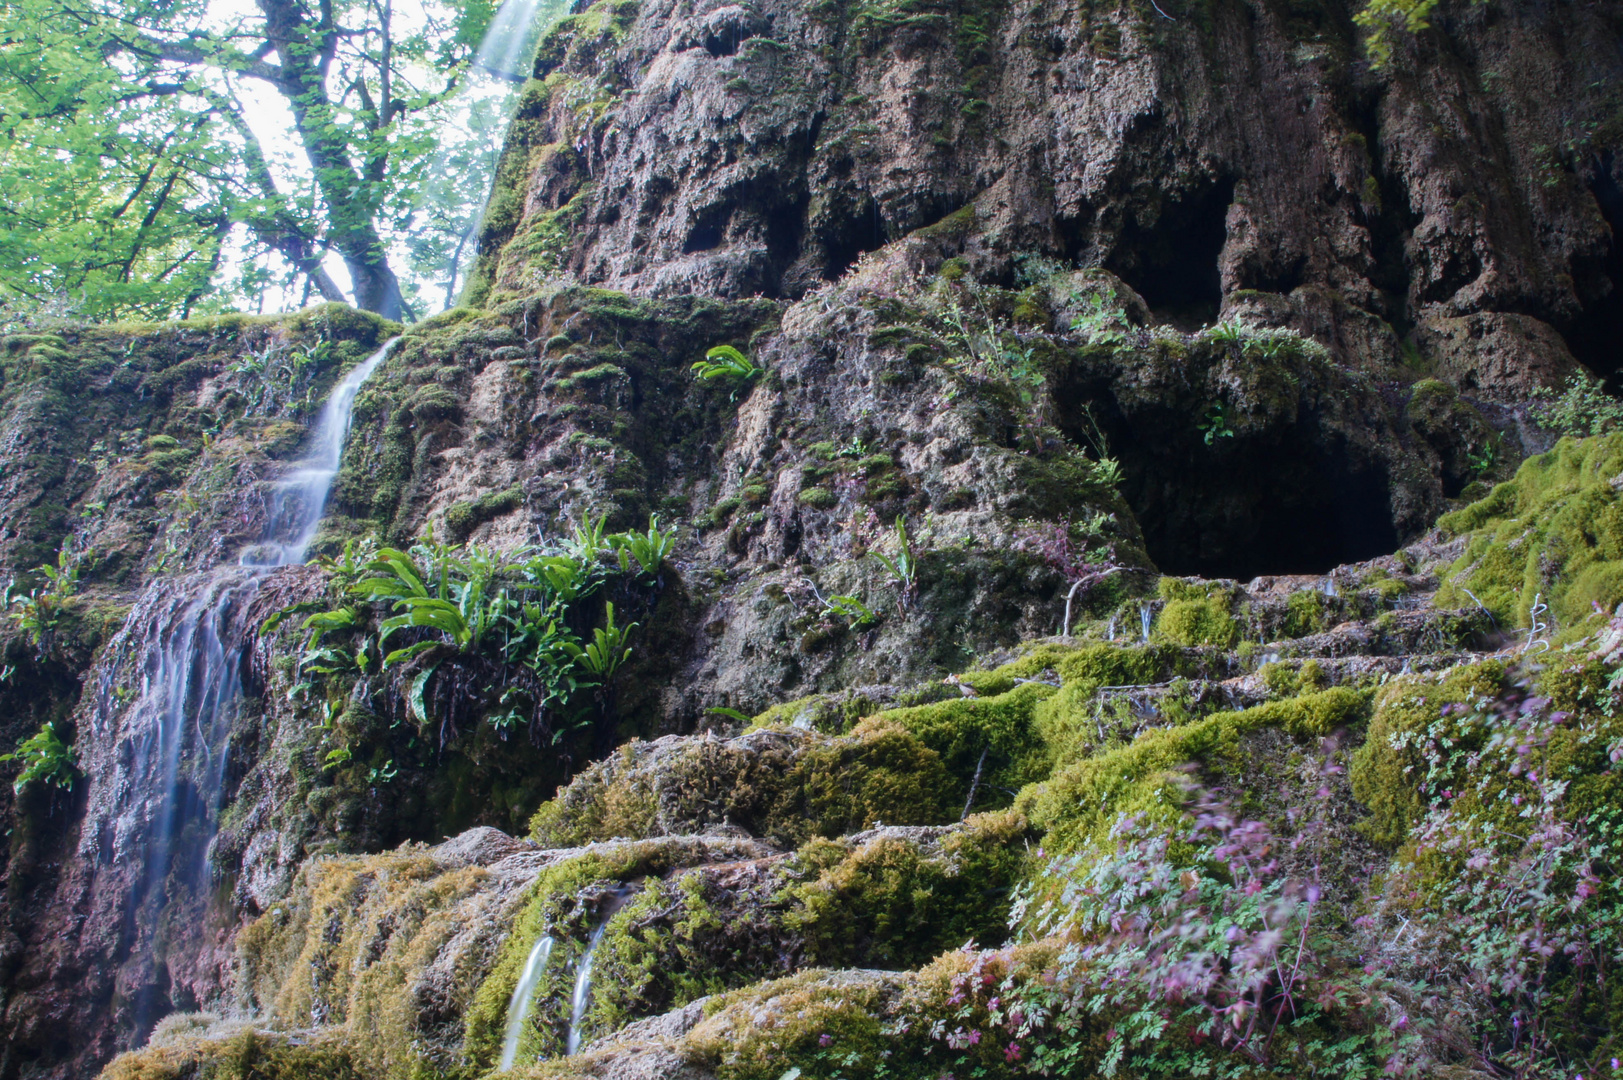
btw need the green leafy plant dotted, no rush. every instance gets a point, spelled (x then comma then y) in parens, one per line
(647, 550)
(38, 612)
(726, 364)
(589, 539)
(859, 615)
(1484, 458)
(903, 566)
(1101, 322)
(982, 348)
(1218, 424)
(348, 567)
(609, 648)
(1228, 332)
(1385, 18)
(1583, 407)
(410, 615)
(46, 758)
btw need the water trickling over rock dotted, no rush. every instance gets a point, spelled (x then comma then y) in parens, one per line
(518, 1009)
(168, 693)
(582, 996)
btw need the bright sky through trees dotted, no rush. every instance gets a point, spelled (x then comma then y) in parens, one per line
(164, 157)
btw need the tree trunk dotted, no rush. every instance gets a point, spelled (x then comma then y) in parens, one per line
(304, 50)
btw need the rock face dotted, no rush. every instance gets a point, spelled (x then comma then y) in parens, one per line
(1205, 155)
(1040, 306)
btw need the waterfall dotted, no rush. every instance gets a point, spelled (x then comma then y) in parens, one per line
(480, 112)
(298, 499)
(518, 1009)
(183, 642)
(583, 988)
(1144, 617)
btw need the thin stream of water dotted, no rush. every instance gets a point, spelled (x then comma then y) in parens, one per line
(583, 987)
(298, 499)
(523, 1000)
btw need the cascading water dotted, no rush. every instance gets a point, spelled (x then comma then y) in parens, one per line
(523, 1000)
(583, 987)
(480, 112)
(298, 499)
(186, 638)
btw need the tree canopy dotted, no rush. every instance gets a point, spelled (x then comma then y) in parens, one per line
(134, 176)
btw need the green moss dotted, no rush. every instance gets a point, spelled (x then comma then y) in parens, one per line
(1198, 622)
(1389, 768)
(1081, 801)
(818, 498)
(1306, 612)
(463, 517)
(891, 904)
(250, 1055)
(787, 786)
(993, 735)
(1556, 524)
(824, 1025)
(329, 924)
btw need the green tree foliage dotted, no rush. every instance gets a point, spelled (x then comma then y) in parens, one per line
(131, 178)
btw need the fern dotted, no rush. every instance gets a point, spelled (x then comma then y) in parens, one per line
(46, 758)
(647, 549)
(726, 364)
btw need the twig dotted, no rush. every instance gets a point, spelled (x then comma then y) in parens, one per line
(975, 784)
(1091, 580)
(1065, 631)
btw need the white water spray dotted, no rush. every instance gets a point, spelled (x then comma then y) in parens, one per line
(583, 987)
(298, 499)
(523, 1000)
(1144, 617)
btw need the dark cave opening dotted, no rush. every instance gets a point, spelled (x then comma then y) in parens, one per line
(859, 230)
(1293, 498)
(709, 229)
(1172, 262)
(1596, 336)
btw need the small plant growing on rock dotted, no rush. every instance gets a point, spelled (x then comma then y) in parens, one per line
(1081, 552)
(1218, 424)
(1583, 407)
(647, 550)
(852, 610)
(726, 364)
(1229, 332)
(38, 612)
(903, 567)
(610, 647)
(46, 758)
(1100, 323)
